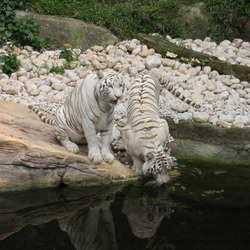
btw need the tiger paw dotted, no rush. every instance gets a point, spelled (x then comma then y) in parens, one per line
(137, 170)
(71, 147)
(108, 157)
(95, 157)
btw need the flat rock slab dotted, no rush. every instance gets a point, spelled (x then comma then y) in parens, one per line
(30, 156)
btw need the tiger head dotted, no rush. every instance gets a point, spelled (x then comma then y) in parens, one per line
(158, 163)
(112, 86)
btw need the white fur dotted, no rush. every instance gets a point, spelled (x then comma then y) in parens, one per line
(89, 110)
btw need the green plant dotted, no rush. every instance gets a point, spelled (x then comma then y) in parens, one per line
(57, 70)
(67, 55)
(125, 18)
(122, 17)
(7, 21)
(227, 17)
(19, 32)
(28, 33)
(10, 63)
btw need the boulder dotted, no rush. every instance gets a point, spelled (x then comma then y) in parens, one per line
(210, 143)
(63, 30)
(31, 157)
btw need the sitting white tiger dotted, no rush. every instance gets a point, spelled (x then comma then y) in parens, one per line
(145, 135)
(89, 109)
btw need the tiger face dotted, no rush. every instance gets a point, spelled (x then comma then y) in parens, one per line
(112, 87)
(158, 163)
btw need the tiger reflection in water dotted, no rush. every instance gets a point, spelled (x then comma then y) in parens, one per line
(146, 212)
(92, 228)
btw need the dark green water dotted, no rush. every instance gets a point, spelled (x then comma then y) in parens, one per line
(207, 207)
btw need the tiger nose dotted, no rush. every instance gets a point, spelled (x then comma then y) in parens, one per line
(118, 97)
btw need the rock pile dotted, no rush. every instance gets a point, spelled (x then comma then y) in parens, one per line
(225, 100)
(235, 52)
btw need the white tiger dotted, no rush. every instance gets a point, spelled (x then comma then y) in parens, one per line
(145, 135)
(89, 109)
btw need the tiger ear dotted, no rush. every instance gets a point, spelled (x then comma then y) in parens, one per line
(149, 156)
(167, 150)
(99, 74)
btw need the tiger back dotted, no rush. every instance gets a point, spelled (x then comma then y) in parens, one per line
(145, 134)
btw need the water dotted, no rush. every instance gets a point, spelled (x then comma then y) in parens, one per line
(205, 207)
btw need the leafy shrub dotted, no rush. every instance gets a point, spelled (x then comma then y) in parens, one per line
(66, 54)
(124, 18)
(57, 70)
(19, 32)
(227, 17)
(10, 63)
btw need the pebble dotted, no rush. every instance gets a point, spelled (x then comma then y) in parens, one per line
(224, 100)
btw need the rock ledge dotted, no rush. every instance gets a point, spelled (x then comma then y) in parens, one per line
(32, 158)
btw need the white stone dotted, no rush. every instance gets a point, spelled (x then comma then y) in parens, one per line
(111, 62)
(180, 107)
(242, 119)
(200, 117)
(139, 65)
(12, 87)
(45, 88)
(23, 79)
(210, 85)
(97, 48)
(213, 75)
(39, 63)
(227, 81)
(168, 62)
(235, 81)
(52, 98)
(43, 57)
(207, 70)
(130, 46)
(32, 89)
(132, 71)
(136, 51)
(182, 68)
(152, 62)
(27, 65)
(234, 96)
(58, 86)
(71, 75)
(223, 124)
(226, 118)
(223, 95)
(145, 53)
(186, 116)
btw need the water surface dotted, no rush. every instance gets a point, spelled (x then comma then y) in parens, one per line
(205, 206)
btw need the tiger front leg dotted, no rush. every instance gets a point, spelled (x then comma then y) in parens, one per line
(94, 153)
(137, 165)
(105, 149)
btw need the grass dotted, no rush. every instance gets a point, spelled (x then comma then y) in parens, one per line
(121, 17)
(124, 18)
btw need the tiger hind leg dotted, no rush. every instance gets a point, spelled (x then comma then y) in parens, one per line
(70, 146)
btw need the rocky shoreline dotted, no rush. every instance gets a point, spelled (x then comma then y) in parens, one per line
(224, 99)
(218, 130)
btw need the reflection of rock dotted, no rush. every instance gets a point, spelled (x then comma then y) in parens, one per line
(19, 209)
(145, 210)
(91, 228)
